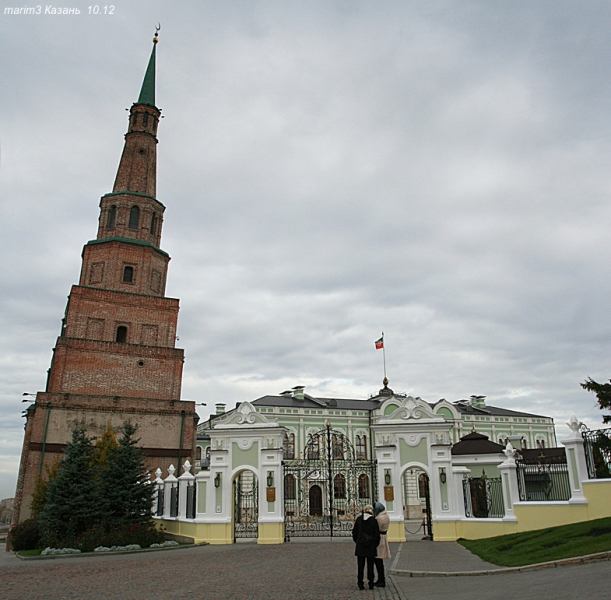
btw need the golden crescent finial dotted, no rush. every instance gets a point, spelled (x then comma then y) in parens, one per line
(157, 29)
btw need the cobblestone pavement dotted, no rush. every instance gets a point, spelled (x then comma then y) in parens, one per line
(437, 556)
(300, 571)
(587, 582)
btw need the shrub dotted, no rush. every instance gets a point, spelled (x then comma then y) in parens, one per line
(143, 534)
(26, 535)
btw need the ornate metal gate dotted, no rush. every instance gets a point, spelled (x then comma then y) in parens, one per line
(326, 490)
(245, 506)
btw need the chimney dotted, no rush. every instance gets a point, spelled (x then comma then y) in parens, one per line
(298, 392)
(220, 408)
(478, 401)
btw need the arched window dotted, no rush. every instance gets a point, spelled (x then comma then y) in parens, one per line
(121, 334)
(523, 444)
(198, 455)
(337, 447)
(145, 119)
(313, 448)
(361, 447)
(289, 445)
(363, 486)
(290, 487)
(153, 224)
(128, 274)
(339, 487)
(112, 217)
(134, 217)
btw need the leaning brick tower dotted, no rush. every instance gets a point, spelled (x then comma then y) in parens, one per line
(115, 359)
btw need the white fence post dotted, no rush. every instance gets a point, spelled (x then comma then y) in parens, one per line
(509, 480)
(576, 461)
(159, 485)
(169, 484)
(185, 481)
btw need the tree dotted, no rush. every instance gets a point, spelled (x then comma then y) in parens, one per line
(73, 498)
(124, 483)
(104, 446)
(603, 395)
(39, 498)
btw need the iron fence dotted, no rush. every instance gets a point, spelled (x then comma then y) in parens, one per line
(544, 479)
(597, 446)
(160, 499)
(191, 499)
(483, 497)
(174, 501)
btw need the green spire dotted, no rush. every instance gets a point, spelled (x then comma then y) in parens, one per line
(147, 93)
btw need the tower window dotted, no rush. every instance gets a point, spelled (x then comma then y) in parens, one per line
(112, 217)
(128, 274)
(153, 223)
(134, 217)
(121, 334)
(145, 119)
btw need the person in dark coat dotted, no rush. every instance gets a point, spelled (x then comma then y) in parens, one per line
(366, 535)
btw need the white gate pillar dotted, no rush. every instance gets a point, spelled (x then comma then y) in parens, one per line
(509, 480)
(184, 482)
(576, 461)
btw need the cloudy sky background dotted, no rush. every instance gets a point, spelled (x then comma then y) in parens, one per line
(436, 170)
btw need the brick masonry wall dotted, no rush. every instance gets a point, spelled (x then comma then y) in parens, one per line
(96, 314)
(159, 426)
(104, 264)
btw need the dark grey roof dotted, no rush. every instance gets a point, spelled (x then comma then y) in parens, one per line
(476, 443)
(464, 407)
(311, 402)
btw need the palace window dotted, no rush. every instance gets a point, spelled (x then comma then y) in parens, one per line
(122, 334)
(112, 217)
(289, 445)
(339, 487)
(361, 447)
(128, 274)
(313, 448)
(337, 447)
(134, 217)
(363, 486)
(198, 456)
(290, 487)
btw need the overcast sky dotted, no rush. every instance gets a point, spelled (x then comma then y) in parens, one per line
(435, 170)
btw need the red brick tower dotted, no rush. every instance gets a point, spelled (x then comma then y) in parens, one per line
(115, 359)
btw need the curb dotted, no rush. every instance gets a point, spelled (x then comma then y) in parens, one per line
(98, 554)
(578, 560)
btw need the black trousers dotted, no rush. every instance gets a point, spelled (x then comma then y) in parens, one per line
(380, 569)
(361, 567)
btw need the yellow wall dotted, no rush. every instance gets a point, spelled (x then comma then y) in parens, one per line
(213, 533)
(271, 533)
(396, 532)
(531, 516)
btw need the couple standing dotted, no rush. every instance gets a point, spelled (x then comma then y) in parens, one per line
(369, 534)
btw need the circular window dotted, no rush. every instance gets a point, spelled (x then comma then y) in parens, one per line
(140, 363)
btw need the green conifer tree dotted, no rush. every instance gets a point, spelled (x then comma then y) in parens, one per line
(73, 498)
(124, 483)
(39, 498)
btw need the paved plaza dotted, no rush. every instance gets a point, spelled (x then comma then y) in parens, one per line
(300, 570)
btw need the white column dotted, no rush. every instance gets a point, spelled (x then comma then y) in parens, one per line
(184, 481)
(205, 495)
(576, 462)
(169, 483)
(509, 479)
(455, 491)
(159, 485)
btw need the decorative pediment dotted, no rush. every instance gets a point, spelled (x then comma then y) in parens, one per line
(245, 416)
(411, 409)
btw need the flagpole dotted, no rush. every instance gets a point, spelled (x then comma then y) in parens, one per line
(384, 354)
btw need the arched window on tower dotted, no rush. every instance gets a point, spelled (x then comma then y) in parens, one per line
(145, 119)
(153, 224)
(112, 217)
(134, 217)
(128, 274)
(121, 334)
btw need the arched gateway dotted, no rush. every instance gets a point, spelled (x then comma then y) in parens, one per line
(327, 489)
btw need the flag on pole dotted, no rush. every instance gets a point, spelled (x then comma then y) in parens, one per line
(380, 343)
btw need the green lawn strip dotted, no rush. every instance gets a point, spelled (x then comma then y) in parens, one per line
(544, 545)
(30, 552)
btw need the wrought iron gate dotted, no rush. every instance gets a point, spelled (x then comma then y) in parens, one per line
(327, 489)
(245, 506)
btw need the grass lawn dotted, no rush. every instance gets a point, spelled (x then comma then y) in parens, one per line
(30, 552)
(532, 547)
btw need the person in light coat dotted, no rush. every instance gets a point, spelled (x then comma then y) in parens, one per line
(383, 550)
